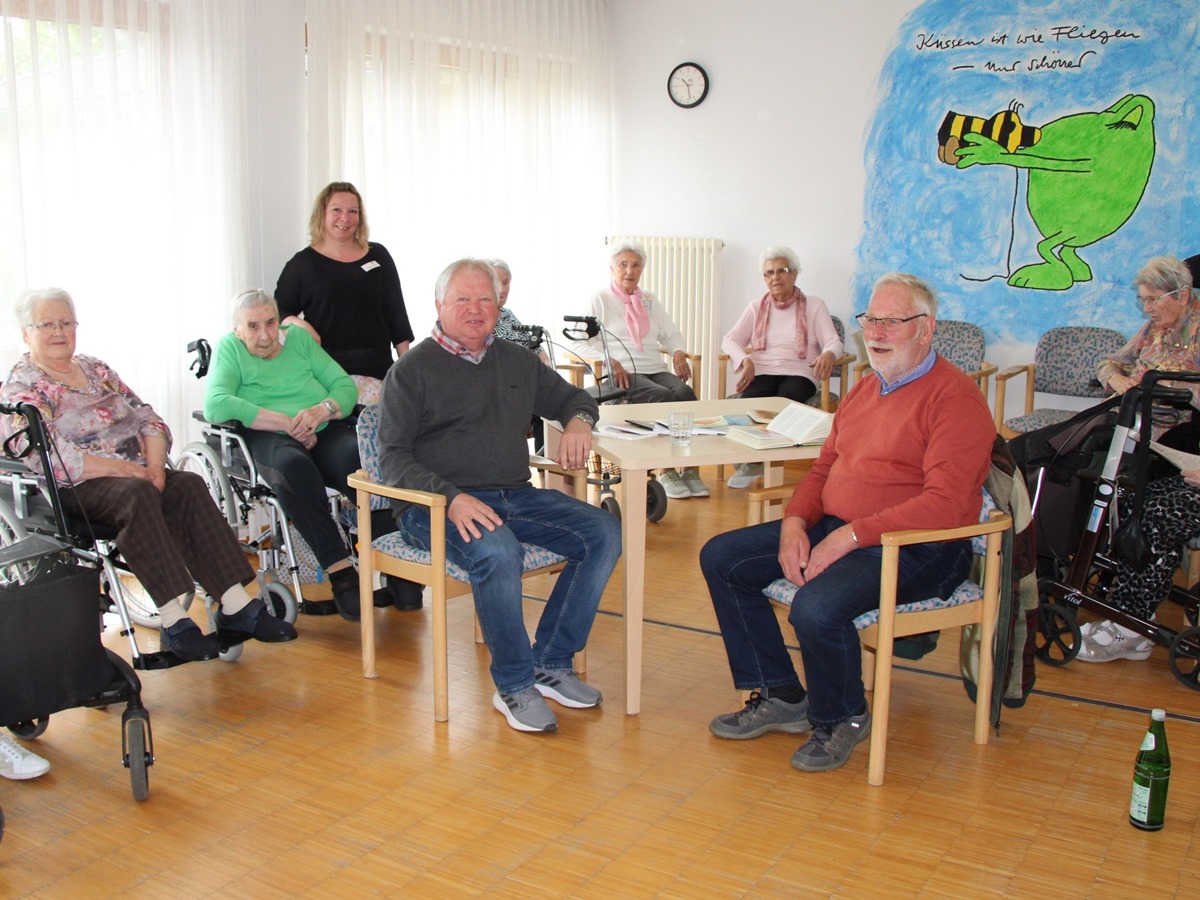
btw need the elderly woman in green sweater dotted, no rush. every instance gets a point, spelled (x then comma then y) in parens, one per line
(293, 400)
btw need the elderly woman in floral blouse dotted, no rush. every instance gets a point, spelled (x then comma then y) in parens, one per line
(110, 464)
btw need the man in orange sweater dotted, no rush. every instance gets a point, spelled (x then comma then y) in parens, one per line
(910, 448)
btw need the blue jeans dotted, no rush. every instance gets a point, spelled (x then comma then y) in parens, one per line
(739, 564)
(588, 537)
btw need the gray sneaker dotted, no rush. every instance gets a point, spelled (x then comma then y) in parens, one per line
(565, 687)
(745, 475)
(760, 715)
(829, 748)
(673, 485)
(525, 711)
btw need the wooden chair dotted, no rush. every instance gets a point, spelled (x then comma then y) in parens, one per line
(1064, 363)
(975, 601)
(391, 556)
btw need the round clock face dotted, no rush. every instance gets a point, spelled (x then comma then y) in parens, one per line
(687, 85)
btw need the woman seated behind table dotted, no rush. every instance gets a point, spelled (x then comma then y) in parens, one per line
(293, 399)
(638, 326)
(345, 291)
(110, 463)
(1171, 513)
(784, 344)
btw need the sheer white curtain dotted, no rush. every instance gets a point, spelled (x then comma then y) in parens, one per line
(121, 160)
(475, 127)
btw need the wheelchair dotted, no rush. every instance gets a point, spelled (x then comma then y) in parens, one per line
(222, 458)
(1065, 510)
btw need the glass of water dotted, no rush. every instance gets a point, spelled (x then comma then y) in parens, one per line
(681, 428)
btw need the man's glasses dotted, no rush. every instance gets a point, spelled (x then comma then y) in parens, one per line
(52, 326)
(887, 324)
(771, 273)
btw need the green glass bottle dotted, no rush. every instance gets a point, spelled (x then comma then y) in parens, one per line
(1151, 776)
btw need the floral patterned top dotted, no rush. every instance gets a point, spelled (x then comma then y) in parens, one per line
(103, 418)
(1177, 350)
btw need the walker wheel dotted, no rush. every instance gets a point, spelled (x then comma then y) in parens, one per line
(1185, 657)
(610, 505)
(138, 753)
(27, 731)
(1058, 635)
(656, 500)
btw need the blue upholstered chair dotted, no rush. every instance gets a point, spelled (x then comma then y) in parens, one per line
(975, 601)
(1064, 363)
(390, 555)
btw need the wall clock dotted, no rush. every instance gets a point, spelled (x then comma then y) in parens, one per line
(687, 85)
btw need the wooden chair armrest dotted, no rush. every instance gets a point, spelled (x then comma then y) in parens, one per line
(861, 369)
(545, 464)
(694, 360)
(575, 372)
(778, 492)
(987, 370)
(1002, 379)
(997, 522)
(1014, 371)
(361, 482)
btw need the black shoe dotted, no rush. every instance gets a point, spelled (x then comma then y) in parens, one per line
(254, 621)
(345, 595)
(915, 646)
(318, 608)
(382, 598)
(406, 596)
(187, 641)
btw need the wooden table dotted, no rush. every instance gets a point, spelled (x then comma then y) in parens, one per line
(636, 458)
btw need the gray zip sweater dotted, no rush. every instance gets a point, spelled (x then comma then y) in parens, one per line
(448, 425)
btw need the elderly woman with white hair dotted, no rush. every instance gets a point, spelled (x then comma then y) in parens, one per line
(293, 400)
(111, 455)
(784, 344)
(638, 329)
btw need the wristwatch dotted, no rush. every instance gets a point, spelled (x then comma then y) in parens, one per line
(331, 406)
(586, 417)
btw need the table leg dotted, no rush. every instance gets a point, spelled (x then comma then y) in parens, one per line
(633, 536)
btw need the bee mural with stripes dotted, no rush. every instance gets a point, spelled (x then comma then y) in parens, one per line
(1088, 172)
(1005, 128)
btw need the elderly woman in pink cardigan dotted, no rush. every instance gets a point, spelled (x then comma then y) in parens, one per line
(783, 345)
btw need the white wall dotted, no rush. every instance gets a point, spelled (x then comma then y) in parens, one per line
(774, 154)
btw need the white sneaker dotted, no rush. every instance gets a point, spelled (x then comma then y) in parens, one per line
(696, 487)
(673, 485)
(1108, 641)
(745, 475)
(18, 763)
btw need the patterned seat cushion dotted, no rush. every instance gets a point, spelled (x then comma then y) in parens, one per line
(783, 592)
(393, 545)
(1039, 418)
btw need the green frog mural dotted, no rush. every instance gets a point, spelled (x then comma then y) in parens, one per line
(1087, 174)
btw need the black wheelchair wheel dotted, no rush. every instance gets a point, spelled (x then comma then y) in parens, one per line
(656, 500)
(610, 505)
(27, 731)
(1185, 657)
(1058, 638)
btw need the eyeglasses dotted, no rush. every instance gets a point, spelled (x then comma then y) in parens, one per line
(771, 273)
(51, 327)
(887, 324)
(1144, 301)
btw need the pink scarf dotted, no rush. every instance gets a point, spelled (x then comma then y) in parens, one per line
(762, 317)
(637, 319)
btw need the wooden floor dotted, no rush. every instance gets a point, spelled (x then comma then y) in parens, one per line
(288, 774)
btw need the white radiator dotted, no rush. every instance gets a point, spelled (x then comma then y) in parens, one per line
(685, 275)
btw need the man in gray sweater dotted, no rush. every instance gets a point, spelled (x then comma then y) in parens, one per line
(453, 419)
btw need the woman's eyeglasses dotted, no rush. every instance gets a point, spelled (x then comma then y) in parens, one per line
(53, 326)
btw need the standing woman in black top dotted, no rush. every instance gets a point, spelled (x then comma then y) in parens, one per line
(345, 290)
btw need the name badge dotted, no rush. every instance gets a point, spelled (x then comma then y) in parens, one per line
(367, 267)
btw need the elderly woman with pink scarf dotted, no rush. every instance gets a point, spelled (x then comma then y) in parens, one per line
(638, 328)
(783, 345)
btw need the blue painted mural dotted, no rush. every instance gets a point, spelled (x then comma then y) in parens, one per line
(1027, 158)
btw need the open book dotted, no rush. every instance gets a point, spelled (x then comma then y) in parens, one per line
(797, 424)
(1178, 458)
